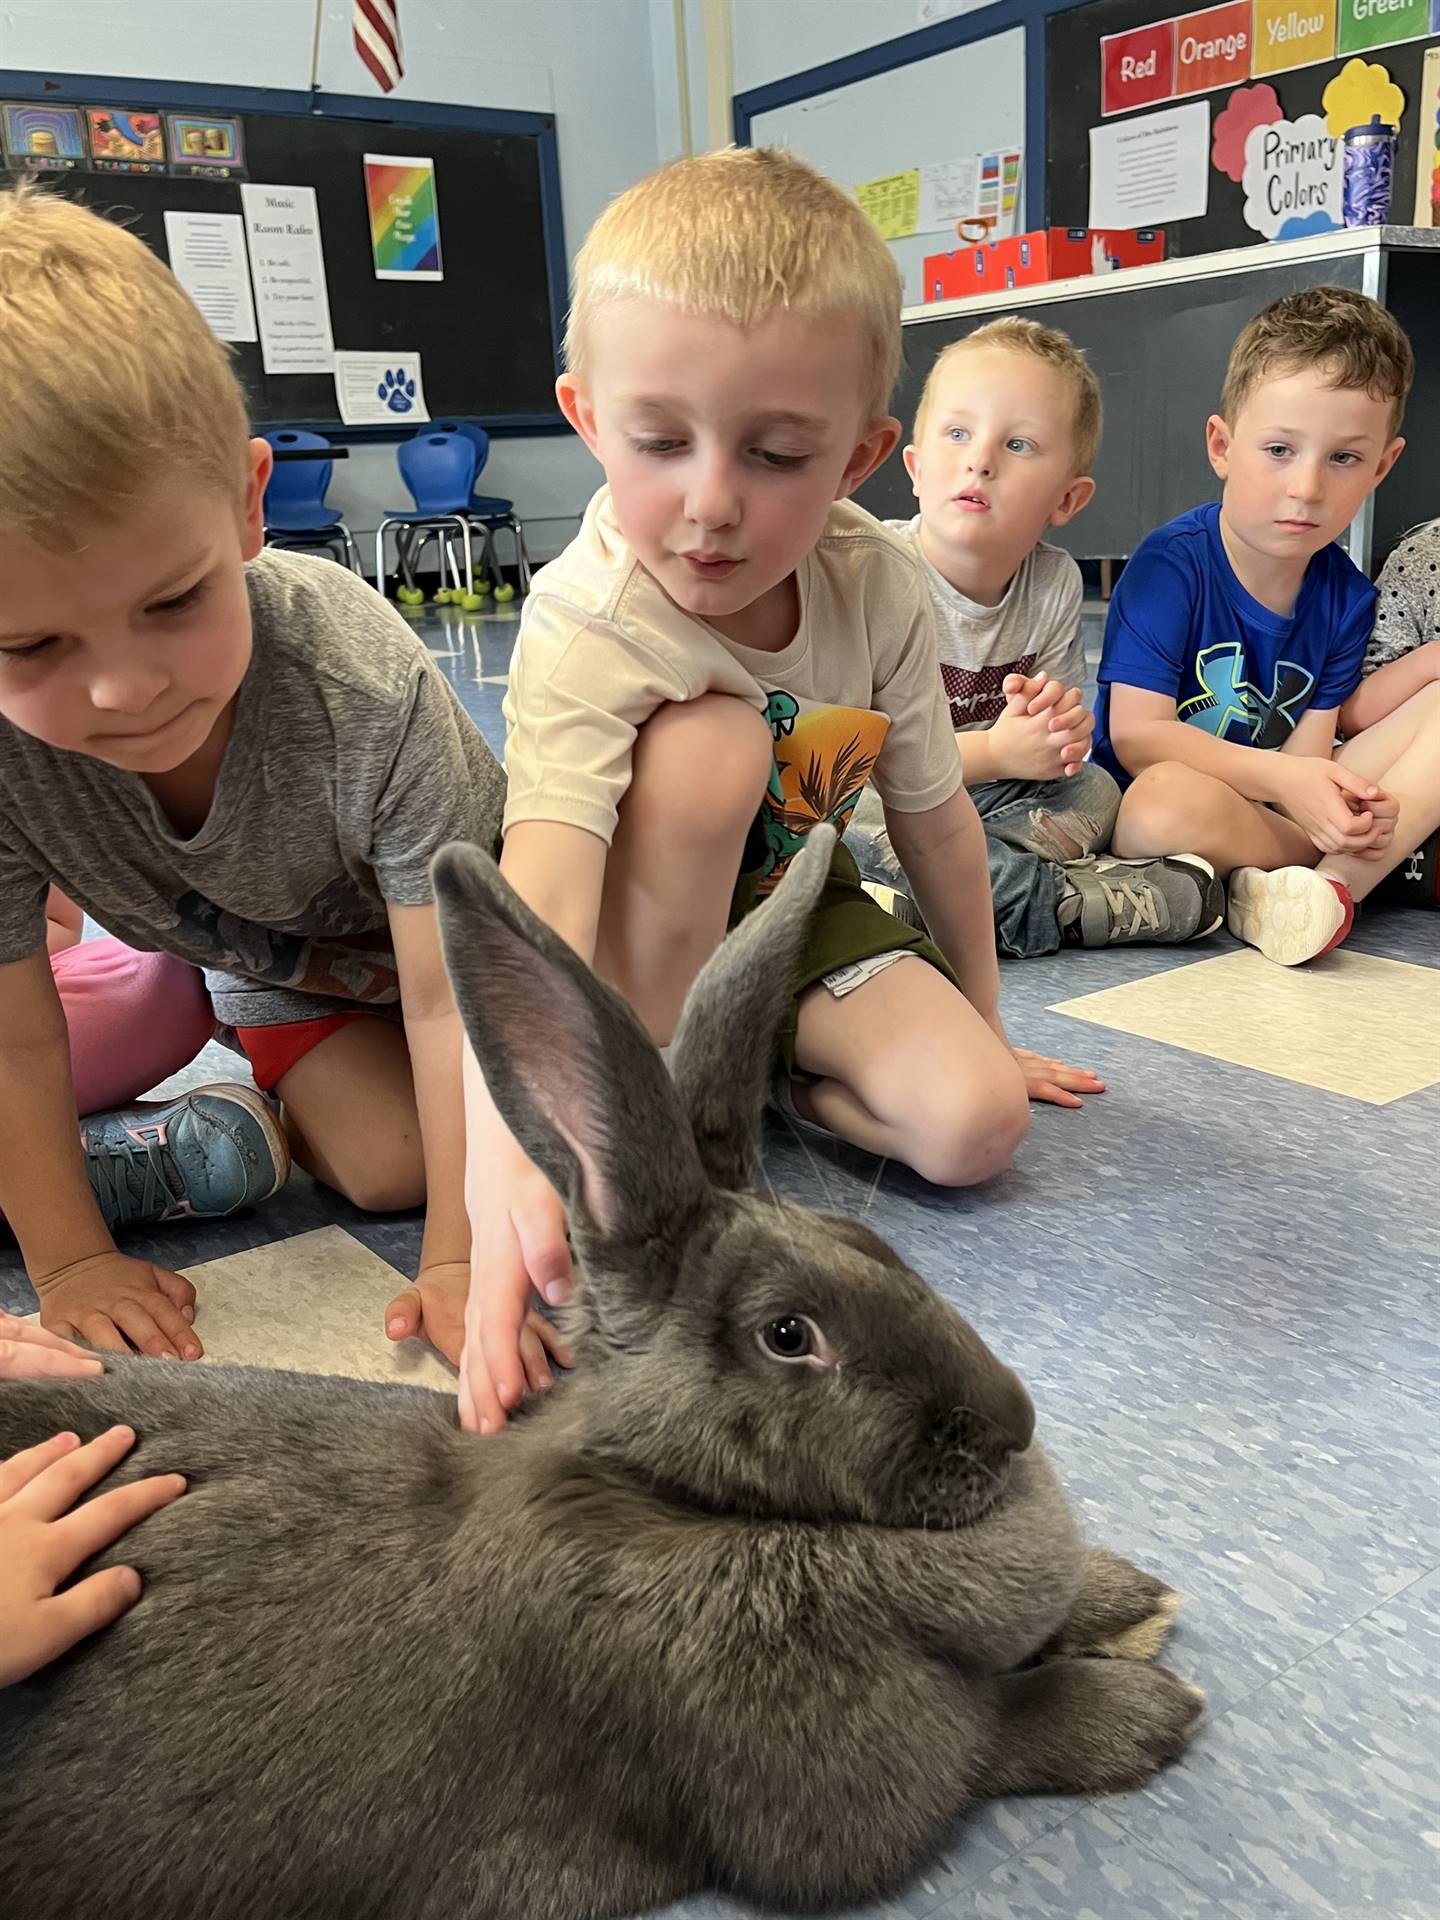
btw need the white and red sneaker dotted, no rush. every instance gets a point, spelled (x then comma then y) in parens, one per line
(1292, 915)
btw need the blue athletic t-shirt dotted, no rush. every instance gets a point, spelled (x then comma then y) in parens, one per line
(1181, 624)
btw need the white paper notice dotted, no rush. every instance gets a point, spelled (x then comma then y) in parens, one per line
(1148, 172)
(207, 257)
(282, 226)
(949, 193)
(379, 389)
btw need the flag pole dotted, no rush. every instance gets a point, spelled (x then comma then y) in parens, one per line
(315, 48)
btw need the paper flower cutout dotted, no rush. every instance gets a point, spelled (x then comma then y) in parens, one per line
(1298, 229)
(1247, 107)
(1357, 93)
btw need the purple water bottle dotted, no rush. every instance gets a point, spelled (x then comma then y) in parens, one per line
(1369, 173)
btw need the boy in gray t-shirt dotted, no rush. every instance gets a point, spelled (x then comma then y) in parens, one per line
(239, 757)
(1004, 437)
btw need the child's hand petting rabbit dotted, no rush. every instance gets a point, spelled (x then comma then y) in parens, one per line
(763, 1596)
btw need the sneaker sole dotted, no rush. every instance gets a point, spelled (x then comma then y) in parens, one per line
(1291, 916)
(261, 1112)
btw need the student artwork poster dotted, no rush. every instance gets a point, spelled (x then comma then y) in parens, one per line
(44, 139)
(125, 141)
(404, 217)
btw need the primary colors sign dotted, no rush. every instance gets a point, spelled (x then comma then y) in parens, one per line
(1225, 46)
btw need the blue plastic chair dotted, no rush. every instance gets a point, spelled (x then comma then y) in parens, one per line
(296, 511)
(439, 470)
(493, 511)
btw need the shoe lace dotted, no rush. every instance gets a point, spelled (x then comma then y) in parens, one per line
(1139, 899)
(133, 1180)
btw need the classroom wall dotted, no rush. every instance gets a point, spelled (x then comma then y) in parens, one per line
(772, 41)
(590, 62)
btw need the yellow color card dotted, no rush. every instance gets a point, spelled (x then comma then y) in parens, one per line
(1293, 33)
(893, 203)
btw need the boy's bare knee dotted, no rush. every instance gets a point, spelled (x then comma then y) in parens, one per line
(956, 1141)
(722, 736)
(391, 1183)
(1162, 809)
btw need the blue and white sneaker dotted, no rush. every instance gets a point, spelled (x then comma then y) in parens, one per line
(207, 1154)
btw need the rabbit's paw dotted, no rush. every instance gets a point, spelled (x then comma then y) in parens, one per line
(1091, 1726)
(1120, 1612)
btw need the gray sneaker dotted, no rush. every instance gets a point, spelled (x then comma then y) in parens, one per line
(207, 1154)
(1107, 902)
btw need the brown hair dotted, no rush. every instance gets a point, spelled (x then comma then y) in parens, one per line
(112, 378)
(735, 234)
(1342, 333)
(1057, 350)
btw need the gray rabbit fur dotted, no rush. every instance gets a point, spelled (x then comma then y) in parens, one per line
(753, 1600)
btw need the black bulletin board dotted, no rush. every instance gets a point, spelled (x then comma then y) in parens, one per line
(1072, 64)
(486, 333)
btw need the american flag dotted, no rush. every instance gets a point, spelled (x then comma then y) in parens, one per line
(376, 26)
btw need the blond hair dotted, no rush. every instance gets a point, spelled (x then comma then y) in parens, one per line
(1055, 349)
(112, 378)
(734, 235)
(1342, 333)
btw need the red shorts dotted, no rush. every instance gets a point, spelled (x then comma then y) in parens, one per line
(273, 1051)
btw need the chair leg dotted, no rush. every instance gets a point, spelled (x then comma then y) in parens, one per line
(352, 557)
(380, 557)
(464, 526)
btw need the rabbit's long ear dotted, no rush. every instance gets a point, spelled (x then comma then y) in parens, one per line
(570, 1068)
(724, 1048)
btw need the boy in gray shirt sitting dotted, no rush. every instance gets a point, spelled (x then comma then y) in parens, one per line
(1004, 437)
(239, 757)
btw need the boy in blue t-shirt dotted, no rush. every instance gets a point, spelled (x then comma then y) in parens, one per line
(1238, 632)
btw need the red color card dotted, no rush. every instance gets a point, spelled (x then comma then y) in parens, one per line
(1138, 68)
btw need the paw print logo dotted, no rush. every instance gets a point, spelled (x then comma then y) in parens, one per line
(396, 391)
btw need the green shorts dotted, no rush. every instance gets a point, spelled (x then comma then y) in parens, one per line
(847, 926)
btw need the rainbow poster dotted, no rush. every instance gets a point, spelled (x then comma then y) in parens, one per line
(404, 217)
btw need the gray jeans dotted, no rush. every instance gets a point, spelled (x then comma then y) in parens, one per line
(1032, 829)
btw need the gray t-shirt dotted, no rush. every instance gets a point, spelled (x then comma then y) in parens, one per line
(350, 762)
(1034, 628)
(1407, 611)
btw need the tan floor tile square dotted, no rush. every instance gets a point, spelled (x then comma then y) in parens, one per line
(1354, 1025)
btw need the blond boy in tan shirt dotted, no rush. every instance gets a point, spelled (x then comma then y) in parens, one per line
(720, 660)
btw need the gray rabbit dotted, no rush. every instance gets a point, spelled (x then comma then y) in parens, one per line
(762, 1597)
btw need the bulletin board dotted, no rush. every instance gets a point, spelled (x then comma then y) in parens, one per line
(1073, 100)
(869, 121)
(487, 332)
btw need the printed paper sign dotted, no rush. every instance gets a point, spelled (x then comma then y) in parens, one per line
(949, 193)
(893, 203)
(1380, 23)
(1150, 172)
(1292, 33)
(1294, 178)
(1427, 166)
(404, 217)
(379, 389)
(1138, 68)
(207, 257)
(292, 305)
(1212, 49)
(998, 199)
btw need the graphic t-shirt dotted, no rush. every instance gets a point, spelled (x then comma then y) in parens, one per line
(1181, 624)
(1033, 628)
(856, 693)
(350, 762)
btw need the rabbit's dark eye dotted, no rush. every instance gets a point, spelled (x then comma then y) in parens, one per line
(793, 1338)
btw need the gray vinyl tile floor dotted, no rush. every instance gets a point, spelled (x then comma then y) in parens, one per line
(1221, 1282)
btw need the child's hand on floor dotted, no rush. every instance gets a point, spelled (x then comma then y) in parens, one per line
(518, 1249)
(1338, 810)
(1053, 1082)
(28, 1352)
(42, 1542)
(119, 1303)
